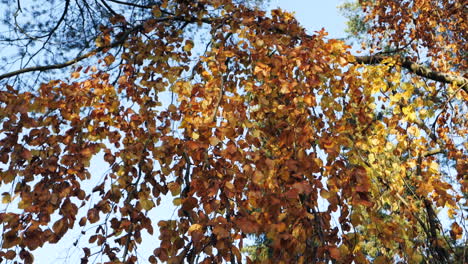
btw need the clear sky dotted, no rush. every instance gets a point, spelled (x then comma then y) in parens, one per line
(313, 15)
(316, 14)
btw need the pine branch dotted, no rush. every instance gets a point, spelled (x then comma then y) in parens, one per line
(118, 42)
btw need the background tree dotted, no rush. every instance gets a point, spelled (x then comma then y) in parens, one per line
(45, 33)
(263, 126)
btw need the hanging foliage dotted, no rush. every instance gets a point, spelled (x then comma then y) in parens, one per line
(258, 128)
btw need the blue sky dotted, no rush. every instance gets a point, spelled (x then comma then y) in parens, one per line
(313, 15)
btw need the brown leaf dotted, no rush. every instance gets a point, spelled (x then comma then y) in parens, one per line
(334, 253)
(93, 215)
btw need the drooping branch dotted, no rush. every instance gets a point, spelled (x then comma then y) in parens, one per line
(419, 70)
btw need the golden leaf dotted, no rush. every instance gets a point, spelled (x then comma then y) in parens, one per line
(6, 198)
(188, 46)
(146, 204)
(195, 227)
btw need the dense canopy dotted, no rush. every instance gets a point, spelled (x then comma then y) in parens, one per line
(249, 125)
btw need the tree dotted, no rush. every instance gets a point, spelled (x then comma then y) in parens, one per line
(272, 132)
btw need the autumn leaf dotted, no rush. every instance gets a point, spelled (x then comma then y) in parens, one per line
(93, 215)
(6, 198)
(109, 59)
(335, 253)
(256, 129)
(188, 46)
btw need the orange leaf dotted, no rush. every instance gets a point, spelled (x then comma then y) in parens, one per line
(334, 253)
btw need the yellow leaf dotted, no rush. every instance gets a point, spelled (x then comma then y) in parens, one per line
(259, 42)
(414, 131)
(309, 100)
(195, 227)
(325, 194)
(344, 250)
(177, 201)
(256, 133)
(146, 204)
(174, 187)
(6, 198)
(395, 98)
(75, 75)
(451, 213)
(375, 141)
(188, 46)
(342, 61)
(23, 205)
(434, 167)
(416, 257)
(214, 141)
(456, 231)
(229, 185)
(109, 59)
(229, 53)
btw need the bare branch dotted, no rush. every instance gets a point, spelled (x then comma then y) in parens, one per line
(131, 4)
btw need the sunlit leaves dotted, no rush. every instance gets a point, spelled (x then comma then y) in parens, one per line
(439, 30)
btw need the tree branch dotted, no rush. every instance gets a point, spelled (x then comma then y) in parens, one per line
(419, 70)
(131, 4)
(406, 63)
(118, 42)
